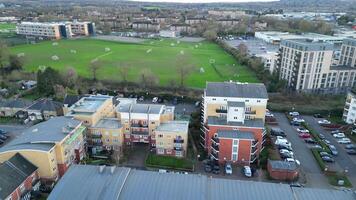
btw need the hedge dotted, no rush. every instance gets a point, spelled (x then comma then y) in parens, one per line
(318, 159)
(168, 162)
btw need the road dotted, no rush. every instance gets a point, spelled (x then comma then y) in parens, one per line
(343, 159)
(13, 131)
(310, 169)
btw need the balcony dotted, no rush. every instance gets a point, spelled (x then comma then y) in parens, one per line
(215, 155)
(221, 111)
(138, 125)
(178, 148)
(253, 158)
(178, 141)
(253, 150)
(215, 140)
(215, 147)
(96, 136)
(139, 132)
(202, 136)
(347, 107)
(254, 143)
(250, 112)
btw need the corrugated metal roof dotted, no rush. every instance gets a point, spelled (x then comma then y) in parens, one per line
(322, 194)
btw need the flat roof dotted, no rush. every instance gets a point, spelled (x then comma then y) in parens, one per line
(256, 123)
(308, 44)
(87, 182)
(235, 134)
(236, 89)
(89, 104)
(282, 165)
(144, 108)
(173, 126)
(111, 123)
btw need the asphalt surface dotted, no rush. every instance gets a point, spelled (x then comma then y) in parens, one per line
(345, 161)
(14, 131)
(310, 170)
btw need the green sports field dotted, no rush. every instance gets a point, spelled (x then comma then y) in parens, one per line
(159, 56)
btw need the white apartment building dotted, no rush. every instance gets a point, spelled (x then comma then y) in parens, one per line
(307, 65)
(349, 115)
(269, 60)
(348, 53)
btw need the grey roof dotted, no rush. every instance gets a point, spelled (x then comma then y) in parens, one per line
(235, 134)
(235, 104)
(13, 173)
(140, 108)
(282, 165)
(69, 100)
(342, 67)
(51, 131)
(255, 123)
(33, 146)
(350, 41)
(85, 182)
(16, 103)
(46, 105)
(233, 89)
(308, 44)
(89, 103)
(111, 123)
(173, 126)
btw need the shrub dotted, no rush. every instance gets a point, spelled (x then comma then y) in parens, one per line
(318, 159)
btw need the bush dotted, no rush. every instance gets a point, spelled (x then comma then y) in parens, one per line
(335, 177)
(318, 159)
(317, 138)
(168, 162)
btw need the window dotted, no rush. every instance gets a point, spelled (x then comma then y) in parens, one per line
(258, 101)
(22, 188)
(160, 151)
(160, 135)
(234, 149)
(236, 142)
(234, 157)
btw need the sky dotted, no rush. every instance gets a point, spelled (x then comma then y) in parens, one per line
(204, 1)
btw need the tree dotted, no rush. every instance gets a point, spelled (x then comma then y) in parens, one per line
(124, 71)
(15, 62)
(210, 34)
(70, 77)
(242, 49)
(183, 67)
(95, 65)
(46, 80)
(147, 78)
(3, 54)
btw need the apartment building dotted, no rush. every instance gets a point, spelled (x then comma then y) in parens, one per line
(195, 20)
(171, 138)
(348, 53)
(228, 22)
(146, 26)
(106, 134)
(349, 114)
(52, 145)
(18, 178)
(55, 30)
(139, 121)
(306, 65)
(233, 121)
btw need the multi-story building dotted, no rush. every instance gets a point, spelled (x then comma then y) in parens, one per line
(233, 121)
(140, 120)
(228, 22)
(52, 145)
(348, 53)
(349, 114)
(55, 30)
(18, 178)
(106, 133)
(171, 138)
(306, 65)
(146, 26)
(195, 20)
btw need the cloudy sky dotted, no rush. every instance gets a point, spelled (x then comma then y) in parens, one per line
(204, 1)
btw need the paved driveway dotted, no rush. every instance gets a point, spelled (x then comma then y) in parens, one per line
(343, 159)
(309, 168)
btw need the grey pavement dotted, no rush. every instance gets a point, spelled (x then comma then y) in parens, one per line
(309, 167)
(345, 161)
(13, 130)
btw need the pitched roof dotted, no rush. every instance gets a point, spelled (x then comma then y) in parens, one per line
(282, 165)
(235, 89)
(71, 99)
(16, 103)
(13, 172)
(87, 182)
(46, 105)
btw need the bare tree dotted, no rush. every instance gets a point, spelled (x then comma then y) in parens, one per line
(242, 49)
(70, 77)
(184, 68)
(95, 65)
(4, 53)
(148, 79)
(124, 71)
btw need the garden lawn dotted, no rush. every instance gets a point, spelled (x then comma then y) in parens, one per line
(157, 56)
(168, 162)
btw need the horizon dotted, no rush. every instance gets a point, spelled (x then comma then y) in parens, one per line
(204, 1)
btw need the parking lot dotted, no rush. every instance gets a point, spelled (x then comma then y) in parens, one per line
(310, 171)
(344, 161)
(13, 131)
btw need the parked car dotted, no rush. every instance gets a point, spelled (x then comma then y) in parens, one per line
(324, 121)
(335, 131)
(344, 141)
(175, 101)
(318, 116)
(286, 151)
(155, 100)
(3, 137)
(297, 119)
(208, 168)
(285, 155)
(294, 123)
(323, 153)
(302, 130)
(142, 98)
(197, 104)
(216, 169)
(333, 150)
(339, 135)
(292, 160)
(281, 146)
(1, 142)
(327, 159)
(326, 141)
(351, 151)
(3, 132)
(228, 168)
(350, 146)
(304, 135)
(278, 132)
(310, 141)
(247, 171)
(294, 114)
(317, 146)
(321, 136)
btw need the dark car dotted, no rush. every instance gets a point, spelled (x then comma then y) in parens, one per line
(208, 168)
(295, 123)
(278, 132)
(285, 155)
(3, 137)
(310, 141)
(327, 159)
(351, 151)
(175, 101)
(1, 141)
(318, 116)
(216, 169)
(323, 153)
(3, 132)
(350, 146)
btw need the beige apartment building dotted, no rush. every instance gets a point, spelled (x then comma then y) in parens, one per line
(171, 138)
(47, 30)
(306, 65)
(348, 53)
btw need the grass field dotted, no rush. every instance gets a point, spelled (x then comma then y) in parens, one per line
(159, 56)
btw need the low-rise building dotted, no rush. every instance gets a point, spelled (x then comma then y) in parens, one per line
(44, 109)
(195, 20)
(18, 178)
(228, 22)
(171, 138)
(52, 145)
(282, 170)
(10, 108)
(183, 28)
(349, 114)
(148, 26)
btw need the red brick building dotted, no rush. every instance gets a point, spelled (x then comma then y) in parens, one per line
(282, 170)
(18, 177)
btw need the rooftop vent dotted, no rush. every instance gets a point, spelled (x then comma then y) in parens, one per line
(101, 168)
(112, 169)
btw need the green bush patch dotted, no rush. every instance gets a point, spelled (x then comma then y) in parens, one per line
(168, 162)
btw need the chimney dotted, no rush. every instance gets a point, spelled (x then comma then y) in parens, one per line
(101, 168)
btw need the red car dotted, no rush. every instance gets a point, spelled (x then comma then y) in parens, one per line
(304, 135)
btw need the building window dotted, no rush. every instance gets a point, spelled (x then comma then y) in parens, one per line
(108, 140)
(160, 135)
(234, 157)
(214, 99)
(22, 188)
(116, 140)
(258, 101)
(160, 151)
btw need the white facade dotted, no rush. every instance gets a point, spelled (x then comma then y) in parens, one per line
(349, 115)
(48, 30)
(168, 33)
(269, 60)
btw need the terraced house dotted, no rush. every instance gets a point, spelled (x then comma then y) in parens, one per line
(52, 145)
(233, 121)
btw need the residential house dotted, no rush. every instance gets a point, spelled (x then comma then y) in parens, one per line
(44, 109)
(52, 145)
(9, 108)
(233, 121)
(183, 28)
(228, 22)
(349, 114)
(195, 20)
(18, 177)
(148, 26)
